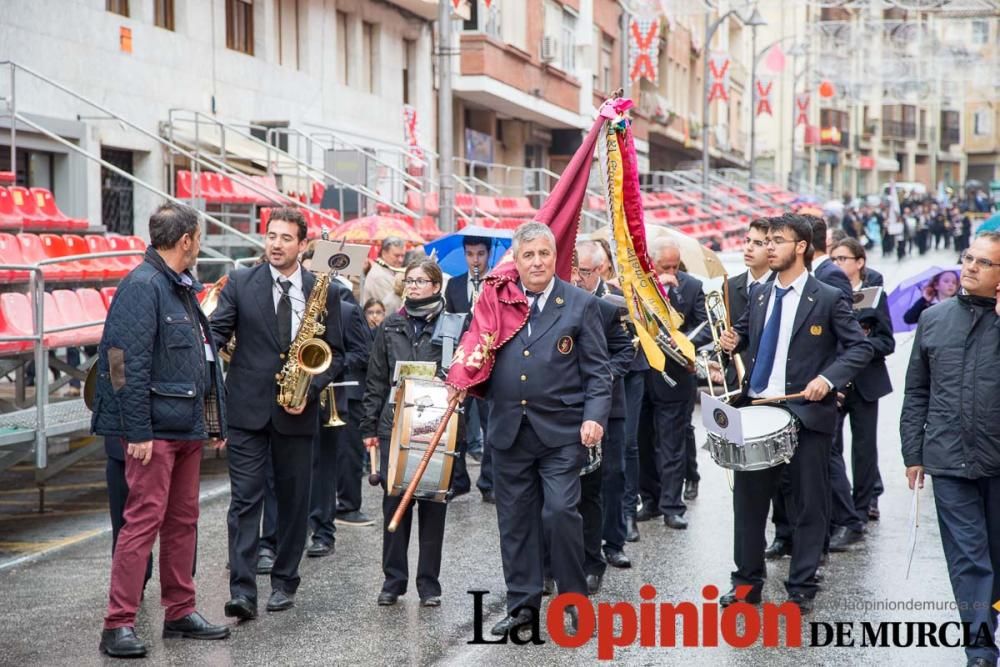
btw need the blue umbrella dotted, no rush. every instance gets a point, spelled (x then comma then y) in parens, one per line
(992, 224)
(909, 292)
(451, 254)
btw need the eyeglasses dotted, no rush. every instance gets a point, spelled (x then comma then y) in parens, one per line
(985, 264)
(840, 259)
(417, 282)
(586, 273)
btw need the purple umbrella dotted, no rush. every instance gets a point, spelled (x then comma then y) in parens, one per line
(909, 292)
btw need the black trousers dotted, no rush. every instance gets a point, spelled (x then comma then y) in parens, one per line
(691, 447)
(613, 484)
(635, 388)
(327, 446)
(809, 473)
(591, 510)
(649, 471)
(671, 422)
(537, 491)
(968, 513)
(291, 461)
(485, 481)
(430, 535)
(782, 507)
(864, 451)
(350, 461)
(842, 511)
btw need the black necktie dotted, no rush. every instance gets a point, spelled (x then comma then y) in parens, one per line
(535, 310)
(284, 314)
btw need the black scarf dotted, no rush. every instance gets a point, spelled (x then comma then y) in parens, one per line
(425, 309)
(978, 301)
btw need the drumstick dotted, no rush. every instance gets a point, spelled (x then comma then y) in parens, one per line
(422, 466)
(786, 397)
(373, 477)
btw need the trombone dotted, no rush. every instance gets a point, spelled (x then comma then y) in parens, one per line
(718, 322)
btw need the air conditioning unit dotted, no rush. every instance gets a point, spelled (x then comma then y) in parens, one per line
(550, 48)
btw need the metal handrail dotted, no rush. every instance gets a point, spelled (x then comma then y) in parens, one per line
(334, 140)
(361, 190)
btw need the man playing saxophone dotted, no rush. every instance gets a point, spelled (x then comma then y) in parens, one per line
(273, 308)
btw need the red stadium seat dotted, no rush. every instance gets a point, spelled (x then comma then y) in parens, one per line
(71, 309)
(487, 205)
(317, 193)
(54, 318)
(47, 205)
(55, 246)
(10, 253)
(116, 267)
(121, 243)
(218, 186)
(182, 184)
(94, 269)
(465, 202)
(93, 307)
(34, 220)
(34, 252)
(207, 188)
(10, 215)
(427, 228)
(107, 294)
(265, 216)
(15, 320)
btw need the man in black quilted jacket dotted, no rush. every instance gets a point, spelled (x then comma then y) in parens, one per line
(955, 367)
(158, 398)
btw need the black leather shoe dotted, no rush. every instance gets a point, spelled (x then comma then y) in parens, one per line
(804, 602)
(510, 623)
(265, 563)
(318, 549)
(280, 600)
(432, 601)
(647, 513)
(241, 608)
(386, 599)
(843, 538)
(979, 662)
(548, 586)
(778, 549)
(594, 583)
(488, 497)
(690, 490)
(193, 626)
(121, 643)
(617, 559)
(631, 529)
(752, 597)
(675, 521)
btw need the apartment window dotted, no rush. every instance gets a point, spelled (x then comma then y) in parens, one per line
(607, 63)
(163, 14)
(514, 26)
(239, 25)
(982, 124)
(492, 25)
(341, 48)
(368, 70)
(409, 63)
(287, 25)
(117, 7)
(980, 32)
(567, 40)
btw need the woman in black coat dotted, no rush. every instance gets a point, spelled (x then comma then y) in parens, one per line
(405, 336)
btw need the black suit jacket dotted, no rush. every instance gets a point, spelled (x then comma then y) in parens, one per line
(558, 377)
(873, 278)
(689, 300)
(833, 275)
(456, 295)
(739, 297)
(823, 321)
(246, 309)
(639, 362)
(357, 345)
(620, 354)
(873, 382)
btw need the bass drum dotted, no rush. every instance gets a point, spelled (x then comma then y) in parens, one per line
(420, 405)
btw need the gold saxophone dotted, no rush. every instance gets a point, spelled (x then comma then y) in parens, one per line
(309, 355)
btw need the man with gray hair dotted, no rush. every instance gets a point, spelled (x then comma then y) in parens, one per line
(384, 280)
(550, 395)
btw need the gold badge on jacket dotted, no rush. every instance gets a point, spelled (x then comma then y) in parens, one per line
(816, 330)
(565, 345)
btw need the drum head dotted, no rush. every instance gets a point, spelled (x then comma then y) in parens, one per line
(763, 420)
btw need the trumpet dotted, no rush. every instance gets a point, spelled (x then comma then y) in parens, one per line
(328, 399)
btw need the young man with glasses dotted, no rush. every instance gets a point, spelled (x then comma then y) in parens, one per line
(955, 366)
(802, 339)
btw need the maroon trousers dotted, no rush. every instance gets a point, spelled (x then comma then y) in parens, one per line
(162, 500)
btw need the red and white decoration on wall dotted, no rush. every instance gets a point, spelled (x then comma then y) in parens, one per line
(762, 96)
(412, 135)
(643, 48)
(718, 77)
(802, 109)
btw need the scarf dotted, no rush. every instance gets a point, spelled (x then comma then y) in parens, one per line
(425, 309)
(978, 301)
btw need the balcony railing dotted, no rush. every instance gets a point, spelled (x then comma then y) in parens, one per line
(897, 129)
(949, 136)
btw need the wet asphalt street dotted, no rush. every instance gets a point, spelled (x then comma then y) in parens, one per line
(53, 603)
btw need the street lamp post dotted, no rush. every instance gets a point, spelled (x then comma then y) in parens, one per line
(755, 20)
(710, 29)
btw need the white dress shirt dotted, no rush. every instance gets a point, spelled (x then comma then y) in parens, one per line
(295, 293)
(751, 281)
(789, 306)
(542, 299)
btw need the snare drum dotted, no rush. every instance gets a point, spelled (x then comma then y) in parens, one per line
(770, 436)
(420, 404)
